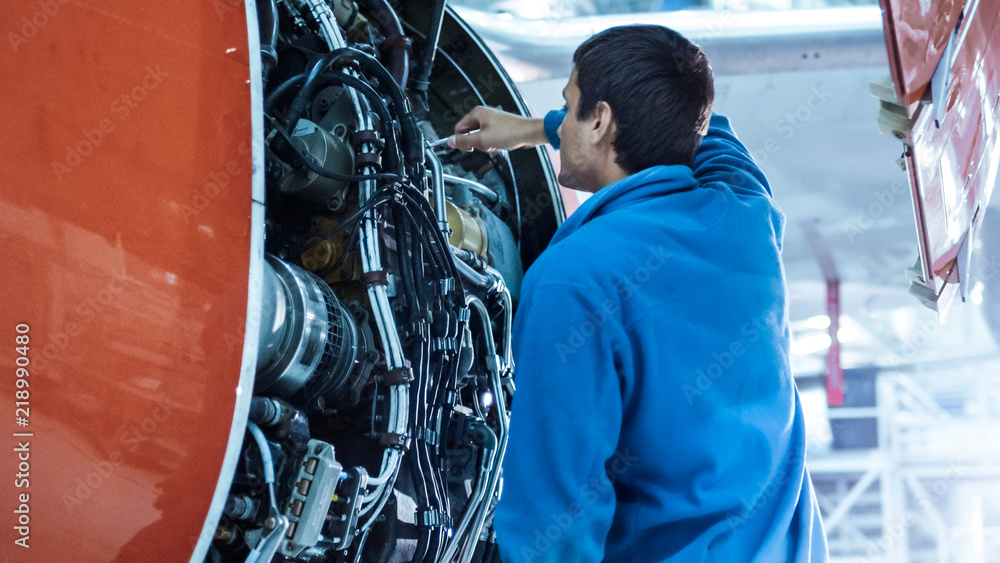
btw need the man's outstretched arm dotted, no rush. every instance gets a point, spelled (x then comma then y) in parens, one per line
(489, 129)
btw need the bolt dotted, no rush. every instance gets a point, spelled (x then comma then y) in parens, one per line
(270, 523)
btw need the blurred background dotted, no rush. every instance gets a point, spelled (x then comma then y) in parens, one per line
(908, 469)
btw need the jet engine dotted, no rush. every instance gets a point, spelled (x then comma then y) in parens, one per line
(383, 384)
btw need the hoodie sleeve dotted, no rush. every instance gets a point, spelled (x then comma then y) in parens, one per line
(552, 121)
(723, 158)
(558, 502)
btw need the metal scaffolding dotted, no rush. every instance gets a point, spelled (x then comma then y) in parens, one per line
(930, 491)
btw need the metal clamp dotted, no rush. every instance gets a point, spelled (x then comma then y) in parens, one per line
(395, 441)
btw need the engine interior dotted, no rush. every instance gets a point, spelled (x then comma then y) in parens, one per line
(384, 378)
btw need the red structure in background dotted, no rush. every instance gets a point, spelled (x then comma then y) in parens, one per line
(834, 371)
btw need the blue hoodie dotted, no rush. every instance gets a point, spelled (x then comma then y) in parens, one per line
(656, 418)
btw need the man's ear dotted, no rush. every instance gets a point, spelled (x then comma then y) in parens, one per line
(604, 127)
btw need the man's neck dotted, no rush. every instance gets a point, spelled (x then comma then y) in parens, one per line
(609, 174)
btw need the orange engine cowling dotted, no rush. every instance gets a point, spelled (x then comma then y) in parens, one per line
(181, 256)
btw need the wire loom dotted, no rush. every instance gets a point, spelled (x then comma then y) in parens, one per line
(421, 428)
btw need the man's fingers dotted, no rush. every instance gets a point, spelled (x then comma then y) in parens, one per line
(466, 142)
(470, 122)
(466, 125)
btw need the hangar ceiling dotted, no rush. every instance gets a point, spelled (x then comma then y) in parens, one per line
(795, 84)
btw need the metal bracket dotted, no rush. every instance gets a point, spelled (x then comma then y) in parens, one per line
(271, 541)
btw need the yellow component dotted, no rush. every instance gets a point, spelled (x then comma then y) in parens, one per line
(327, 252)
(335, 498)
(467, 232)
(318, 257)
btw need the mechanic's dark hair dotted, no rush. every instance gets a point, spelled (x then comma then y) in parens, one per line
(659, 87)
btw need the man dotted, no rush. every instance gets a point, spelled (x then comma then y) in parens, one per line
(656, 418)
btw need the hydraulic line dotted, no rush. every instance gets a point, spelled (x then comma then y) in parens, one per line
(479, 280)
(406, 264)
(265, 455)
(267, 16)
(413, 139)
(434, 232)
(480, 190)
(422, 80)
(371, 262)
(482, 101)
(398, 44)
(420, 474)
(437, 180)
(311, 165)
(477, 306)
(488, 451)
(492, 282)
(341, 79)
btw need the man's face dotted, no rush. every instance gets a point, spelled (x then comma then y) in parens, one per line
(574, 149)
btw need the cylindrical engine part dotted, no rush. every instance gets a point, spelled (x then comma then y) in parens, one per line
(308, 340)
(330, 152)
(240, 507)
(467, 230)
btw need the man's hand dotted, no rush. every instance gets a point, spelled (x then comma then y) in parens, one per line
(489, 130)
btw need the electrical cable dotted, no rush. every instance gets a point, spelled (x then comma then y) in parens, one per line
(265, 452)
(351, 220)
(280, 90)
(412, 137)
(324, 172)
(482, 101)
